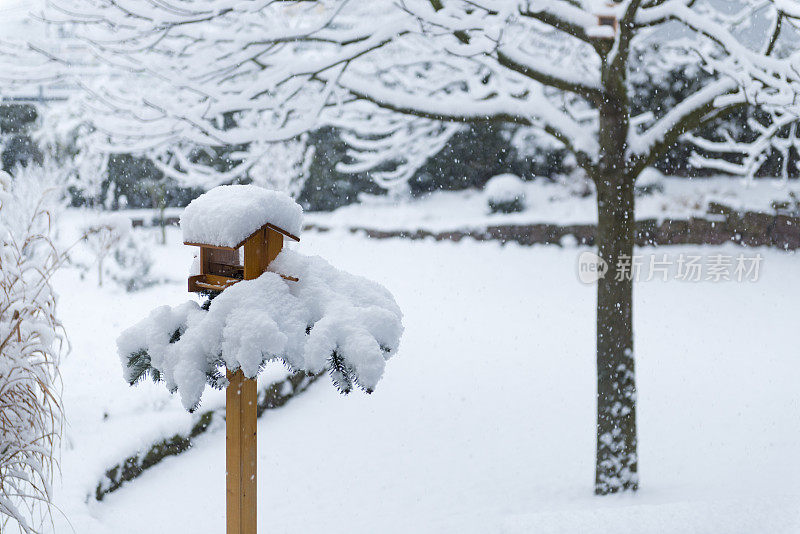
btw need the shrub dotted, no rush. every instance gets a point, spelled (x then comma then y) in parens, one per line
(505, 193)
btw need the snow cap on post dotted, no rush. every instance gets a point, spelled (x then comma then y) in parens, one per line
(227, 215)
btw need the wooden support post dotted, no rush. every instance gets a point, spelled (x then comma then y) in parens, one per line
(241, 408)
(241, 454)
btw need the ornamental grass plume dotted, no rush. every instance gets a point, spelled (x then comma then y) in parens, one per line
(31, 342)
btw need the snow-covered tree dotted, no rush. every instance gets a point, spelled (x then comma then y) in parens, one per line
(65, 133)
(30, 346)
(401, 76)
(103, 236)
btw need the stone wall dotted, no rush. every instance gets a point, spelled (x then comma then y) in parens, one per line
(273, 396)
(721, 225)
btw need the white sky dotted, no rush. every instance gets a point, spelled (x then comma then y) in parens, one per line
(11, 13)
(8, 7)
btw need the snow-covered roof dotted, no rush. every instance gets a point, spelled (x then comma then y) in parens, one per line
(227, 215)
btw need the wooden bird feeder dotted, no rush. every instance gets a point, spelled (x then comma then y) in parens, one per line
(608, 20)
(220, 268)
(607, 23)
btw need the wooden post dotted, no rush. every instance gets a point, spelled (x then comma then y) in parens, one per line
(241, 408)
(241, 454)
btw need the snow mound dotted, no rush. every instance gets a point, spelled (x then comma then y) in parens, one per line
(650, 177)
(329, 319)
(229, 214)
(649, 182)
(505, 188)
(505, 193)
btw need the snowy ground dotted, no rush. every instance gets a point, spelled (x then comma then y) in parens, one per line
(484, 421)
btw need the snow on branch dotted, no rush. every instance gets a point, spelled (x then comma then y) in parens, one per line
(684, 117)
(541, 70)
(405, 147)
(328, 320)
(743, 75)
(745, 158)
(535, 110)
(185, 73)
(563, 15)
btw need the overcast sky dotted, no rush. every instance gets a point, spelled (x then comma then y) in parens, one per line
(12, 12)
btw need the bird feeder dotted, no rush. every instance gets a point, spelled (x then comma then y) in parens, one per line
(223, 266)
(607, 23)
(216, 222)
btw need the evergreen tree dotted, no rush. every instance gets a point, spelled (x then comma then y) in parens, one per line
(16, 145)
(326, 188)
(469, 159)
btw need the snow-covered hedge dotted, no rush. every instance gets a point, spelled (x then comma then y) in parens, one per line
(505, 193)
(328, 319)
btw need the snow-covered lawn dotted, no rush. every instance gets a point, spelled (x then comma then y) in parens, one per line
(484, 421)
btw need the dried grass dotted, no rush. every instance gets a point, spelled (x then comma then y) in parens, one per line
(31, 342)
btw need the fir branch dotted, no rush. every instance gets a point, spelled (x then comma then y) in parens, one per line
(340, 374)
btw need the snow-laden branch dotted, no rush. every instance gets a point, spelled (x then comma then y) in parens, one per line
(745, 158)
(283, 68)
(535, 110)
(328, 320)
(546, 73)
(688, 115)
(250, 74)
(565, 16)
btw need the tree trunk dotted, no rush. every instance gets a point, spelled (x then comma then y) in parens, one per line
(163, 222)
(616, 468)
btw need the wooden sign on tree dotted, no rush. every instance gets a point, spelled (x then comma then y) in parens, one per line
(264, 303)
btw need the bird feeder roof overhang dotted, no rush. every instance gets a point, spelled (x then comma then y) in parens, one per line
(268, 226)
(228, 215)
